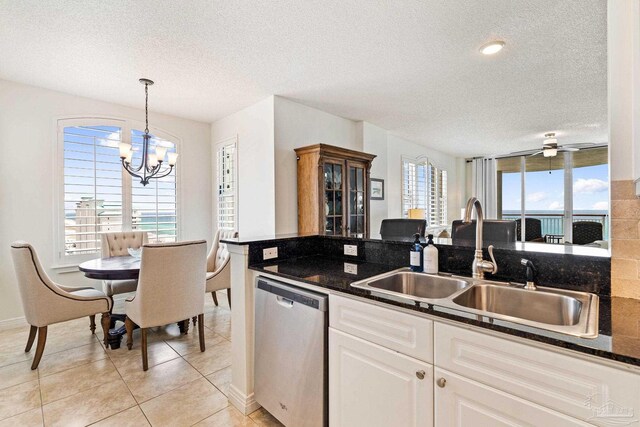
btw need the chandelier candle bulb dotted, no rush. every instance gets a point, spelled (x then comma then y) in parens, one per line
(172, 158)
(153, 160)
(160, 152)
(124, 149)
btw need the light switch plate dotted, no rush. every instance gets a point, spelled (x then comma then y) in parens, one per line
(269, 253)
(350, 268)
(351, 250)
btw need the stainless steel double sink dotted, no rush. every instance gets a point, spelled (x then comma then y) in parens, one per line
(567, 312)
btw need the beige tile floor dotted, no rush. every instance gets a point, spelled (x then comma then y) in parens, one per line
(79, 383)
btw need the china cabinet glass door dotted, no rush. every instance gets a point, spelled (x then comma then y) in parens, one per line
(357, 199)
(333, 198)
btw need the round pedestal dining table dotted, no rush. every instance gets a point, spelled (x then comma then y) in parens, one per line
(113, 268)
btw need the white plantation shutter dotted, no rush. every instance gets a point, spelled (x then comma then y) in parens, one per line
(96, 195)
(92, 177)
(154, 207)
(424, 186)
(414, 184)
(437, 196)
(227, 185)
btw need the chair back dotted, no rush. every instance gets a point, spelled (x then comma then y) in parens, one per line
(585, 232)
(171, 282)
(493, 231)
(37, 291)
(117, 243)
(219, 254)
(532, 229)
(402, 229)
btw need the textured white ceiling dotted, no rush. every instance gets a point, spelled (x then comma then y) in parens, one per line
(412, 66)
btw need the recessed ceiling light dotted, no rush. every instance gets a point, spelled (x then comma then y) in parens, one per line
(492, 48)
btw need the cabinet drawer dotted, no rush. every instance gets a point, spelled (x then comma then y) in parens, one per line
(465, 403)
(372, 386)
(407, 334)
(582, 389)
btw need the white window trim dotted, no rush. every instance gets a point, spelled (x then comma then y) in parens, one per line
(217, 146)
(66, 262)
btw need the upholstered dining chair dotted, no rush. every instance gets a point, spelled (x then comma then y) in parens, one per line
(45, 302)
(117, 244)
(218, 267)
(170, 289)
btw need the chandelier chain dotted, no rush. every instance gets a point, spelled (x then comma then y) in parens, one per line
(146, 108)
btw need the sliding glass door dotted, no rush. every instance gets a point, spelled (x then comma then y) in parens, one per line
(555, 193)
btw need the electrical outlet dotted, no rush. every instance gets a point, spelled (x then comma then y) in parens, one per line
(350, 268)
(351, 250)
(269, 253)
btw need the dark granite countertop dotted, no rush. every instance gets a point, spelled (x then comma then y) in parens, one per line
(619, 337)
(545, 248)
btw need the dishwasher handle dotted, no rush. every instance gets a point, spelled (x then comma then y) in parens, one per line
(285, 302)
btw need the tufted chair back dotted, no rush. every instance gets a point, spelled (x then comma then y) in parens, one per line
(117, 243)
(219, 254)
(171, 284)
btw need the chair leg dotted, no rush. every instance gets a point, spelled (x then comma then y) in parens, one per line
(32, 337)
(229, 297)
(215, 298)
(128, 324)
(145, 362)
(92, 323)
(106, 323)
(201, 330)
(194, 319)
(42, 339)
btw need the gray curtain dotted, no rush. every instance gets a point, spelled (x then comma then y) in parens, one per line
(485, 185)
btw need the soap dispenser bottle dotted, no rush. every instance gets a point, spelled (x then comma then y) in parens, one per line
(430, 263)
(415, 256)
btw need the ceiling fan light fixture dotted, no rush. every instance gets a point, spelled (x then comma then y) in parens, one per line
(492, 48)
(550, 152)
(550, 139)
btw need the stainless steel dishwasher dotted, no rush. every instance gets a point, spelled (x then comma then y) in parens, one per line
(291, 353)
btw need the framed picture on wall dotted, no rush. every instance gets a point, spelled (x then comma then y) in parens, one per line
(377, 189)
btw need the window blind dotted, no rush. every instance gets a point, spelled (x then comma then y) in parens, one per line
(92, 186)
(227, 186)
(424, 186)
(154, 207)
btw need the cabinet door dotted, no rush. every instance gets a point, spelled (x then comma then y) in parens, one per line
(333, 207)
(356, 190)
(466, 403)
(372, 386)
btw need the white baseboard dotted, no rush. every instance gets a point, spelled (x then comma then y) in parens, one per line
(16, 322)
(244, 404)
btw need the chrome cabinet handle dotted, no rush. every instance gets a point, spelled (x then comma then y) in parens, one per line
(441, 382)
(420, 375)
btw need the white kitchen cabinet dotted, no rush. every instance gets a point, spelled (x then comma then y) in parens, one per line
(460, 402)
(582, 389)
(372, 386)
(406, 333)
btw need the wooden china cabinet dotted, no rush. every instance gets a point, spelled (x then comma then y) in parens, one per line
(333, 191)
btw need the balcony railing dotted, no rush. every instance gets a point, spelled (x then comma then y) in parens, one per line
(554, 223)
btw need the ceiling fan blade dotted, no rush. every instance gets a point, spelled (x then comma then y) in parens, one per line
(535, 154)
(563, 149)
(580, 145)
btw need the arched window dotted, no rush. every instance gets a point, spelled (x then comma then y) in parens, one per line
(96, 195)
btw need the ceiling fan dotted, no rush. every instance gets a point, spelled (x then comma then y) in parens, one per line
(550, 147)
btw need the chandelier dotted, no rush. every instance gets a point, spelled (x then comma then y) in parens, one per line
(151, 163)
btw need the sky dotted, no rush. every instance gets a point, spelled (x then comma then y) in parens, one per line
(545, 191)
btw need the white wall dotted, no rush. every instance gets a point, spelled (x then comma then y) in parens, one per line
(397, 148)
(622, 54)
(374, 141)
(254, 129)
(28, 146)
(297, 125)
